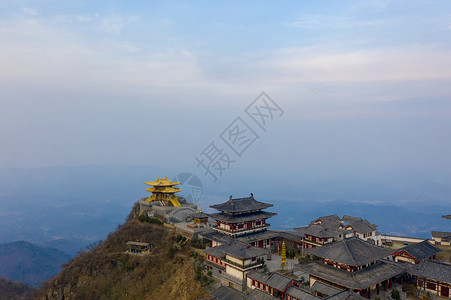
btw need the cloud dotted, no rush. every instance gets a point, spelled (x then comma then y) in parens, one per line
(325, 22)
(84, 18)
(52, 55)
(116, 23)
(379, 64)
(30, 11)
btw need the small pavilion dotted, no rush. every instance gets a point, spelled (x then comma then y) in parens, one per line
(163, 191)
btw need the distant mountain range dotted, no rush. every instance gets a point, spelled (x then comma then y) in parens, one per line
(12, 290)
(28, 263)
(69, 208)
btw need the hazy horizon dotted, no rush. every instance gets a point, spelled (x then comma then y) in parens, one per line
(97, 98)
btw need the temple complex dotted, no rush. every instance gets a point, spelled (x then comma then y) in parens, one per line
(355, 265)
(352, 263)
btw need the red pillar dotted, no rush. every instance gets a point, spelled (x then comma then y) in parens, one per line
(369, 293)
(389, 283)
(385, 285)
(377, 288)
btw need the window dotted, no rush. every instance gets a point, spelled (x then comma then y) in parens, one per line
(431, 286)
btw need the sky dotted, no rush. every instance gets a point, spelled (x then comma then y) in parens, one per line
(363, 87)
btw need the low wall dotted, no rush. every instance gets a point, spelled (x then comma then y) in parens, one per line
(405, 239)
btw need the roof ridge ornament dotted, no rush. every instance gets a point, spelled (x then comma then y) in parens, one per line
(252, 195)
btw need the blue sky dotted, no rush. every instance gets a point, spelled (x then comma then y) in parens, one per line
(365, 85)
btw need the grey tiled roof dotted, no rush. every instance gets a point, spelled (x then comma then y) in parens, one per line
(228, 293)
(334, 222)
(236, 249)
(240, 205)
(351, 252)
(330, 218)
(348, 219)
(325, 289)
(331, 224)
(361, 279)
(346, 295)
(440, 234)
(301, 230)
(290, 235)
(279, 281)
(257, 294)
(242, 250)
(257, 236)
(432, 270)
(199, 215)
(259, 276)
(421, 250)
(319, 231)
(362, 226)
(275, 280)
(216, 236)
(241, 217)
(216, 252)
(213, 235)
(301, 293)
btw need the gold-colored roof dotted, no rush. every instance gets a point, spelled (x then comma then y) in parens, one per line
(162, 182)
(166, 189)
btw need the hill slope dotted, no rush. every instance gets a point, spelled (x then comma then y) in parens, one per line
(106, 272)
(12, 290)
(29, 263)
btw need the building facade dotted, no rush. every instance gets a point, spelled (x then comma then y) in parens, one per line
(433, 277)
(243, 219)
(230, 263)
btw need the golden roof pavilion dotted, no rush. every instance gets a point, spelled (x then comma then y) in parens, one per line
(163, 191)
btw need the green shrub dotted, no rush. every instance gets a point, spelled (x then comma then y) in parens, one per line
(198, 243)
(171, 251)
(147, 219)
(395, 294)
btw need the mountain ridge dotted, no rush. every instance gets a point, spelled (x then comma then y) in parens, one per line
(29, 263)
(106, 271)
(13, 290)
